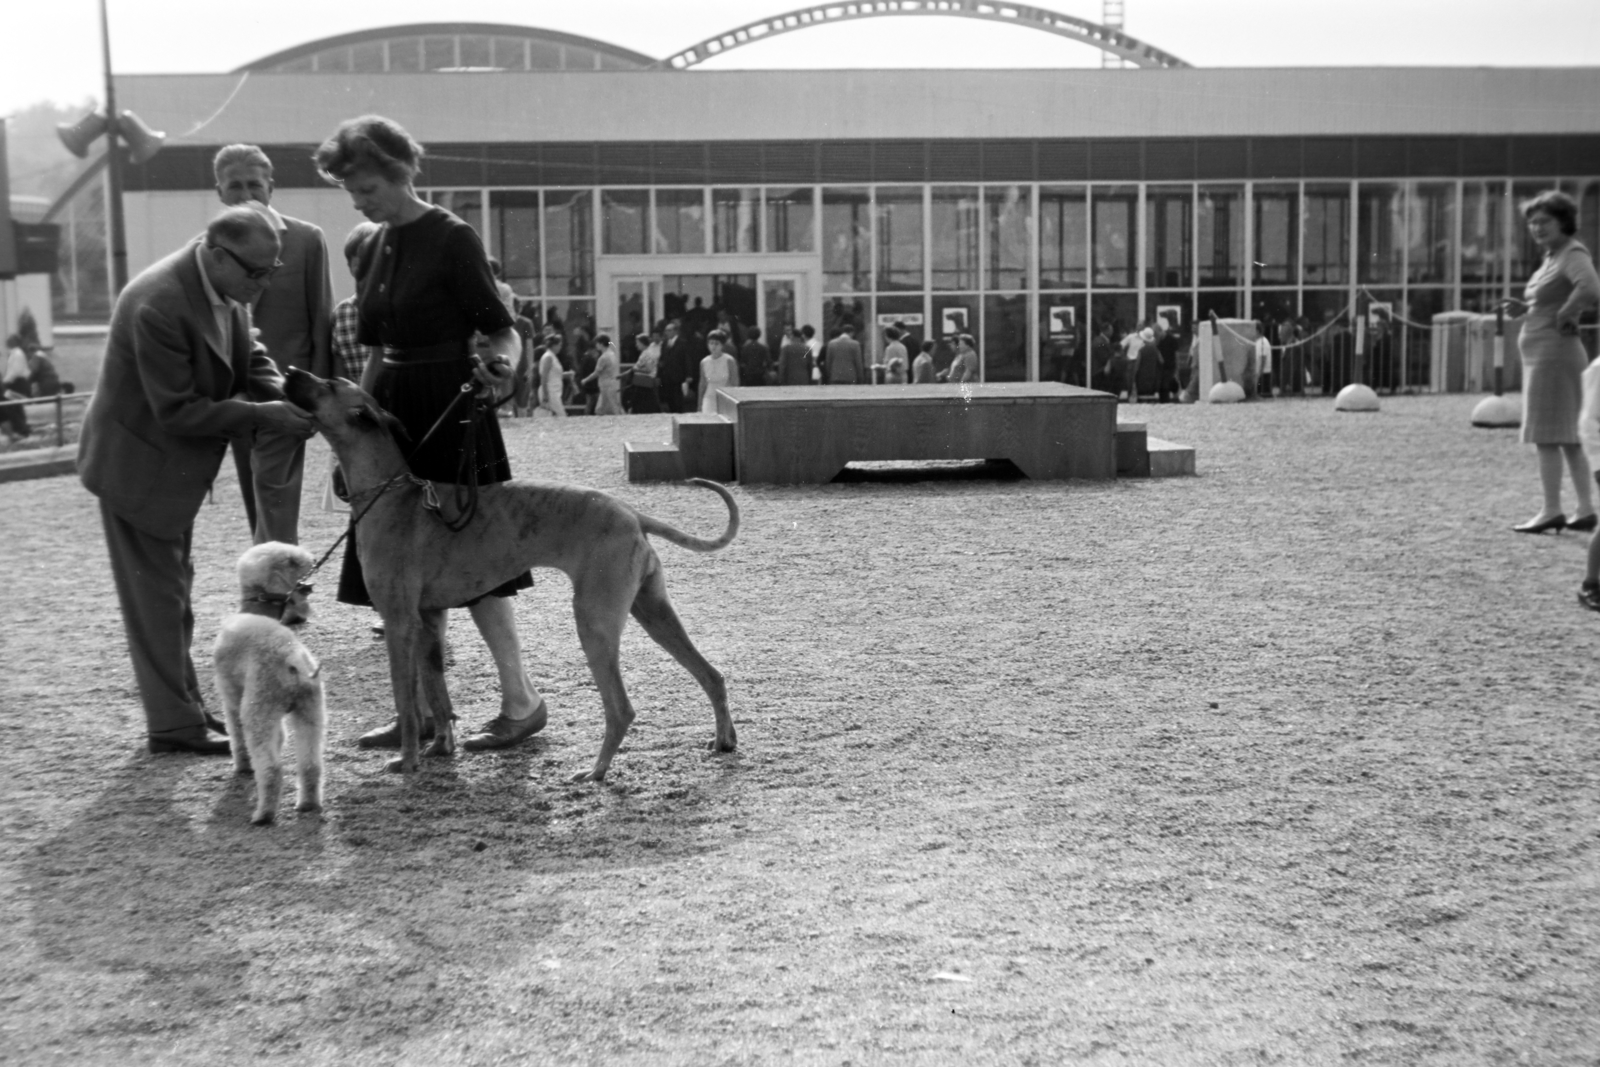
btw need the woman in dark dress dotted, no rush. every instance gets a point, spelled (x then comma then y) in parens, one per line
(425, 290)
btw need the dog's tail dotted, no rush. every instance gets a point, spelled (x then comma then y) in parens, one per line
(698, 544)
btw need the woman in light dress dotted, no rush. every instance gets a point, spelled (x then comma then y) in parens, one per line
(551, 380)
(607, 376)
(716, 370)
(1553, 358)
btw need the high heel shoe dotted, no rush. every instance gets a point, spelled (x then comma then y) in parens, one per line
(1584, 523)
(1558, 523)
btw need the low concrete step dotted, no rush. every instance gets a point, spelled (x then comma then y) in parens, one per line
(1133, 453)
(1168, 460)
(707, 445)
(652, 462)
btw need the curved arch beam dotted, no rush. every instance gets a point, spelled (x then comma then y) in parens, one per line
(1083, 31)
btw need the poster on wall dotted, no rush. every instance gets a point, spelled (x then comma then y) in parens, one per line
(1172, 313)
(1380, 313)
(1063, 322)
(913, 318)
(953, 321)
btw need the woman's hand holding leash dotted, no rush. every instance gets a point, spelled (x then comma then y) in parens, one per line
(496, 377)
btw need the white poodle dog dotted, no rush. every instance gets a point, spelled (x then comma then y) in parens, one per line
(265, 675)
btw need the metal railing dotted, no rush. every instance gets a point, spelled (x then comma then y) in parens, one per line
(58, 402)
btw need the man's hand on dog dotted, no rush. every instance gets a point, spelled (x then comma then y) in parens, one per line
(284, 417)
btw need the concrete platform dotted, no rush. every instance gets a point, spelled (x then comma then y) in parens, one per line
(808, 434)
(652, 463)
(1167, 460)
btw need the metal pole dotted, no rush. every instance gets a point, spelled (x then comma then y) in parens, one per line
(119, 240)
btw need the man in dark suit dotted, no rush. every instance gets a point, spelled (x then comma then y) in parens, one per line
(181, 376)
(673, 368)
(295, 317)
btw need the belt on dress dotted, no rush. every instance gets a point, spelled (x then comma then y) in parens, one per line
(443, 352)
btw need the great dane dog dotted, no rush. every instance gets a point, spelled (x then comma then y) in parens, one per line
(416, 567)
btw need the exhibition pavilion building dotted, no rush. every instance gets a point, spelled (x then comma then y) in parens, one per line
(1026, 207)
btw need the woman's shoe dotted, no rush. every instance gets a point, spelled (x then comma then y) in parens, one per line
(1557, 523)
(1584, 523)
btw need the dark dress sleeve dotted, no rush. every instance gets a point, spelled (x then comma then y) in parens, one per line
(471, 282)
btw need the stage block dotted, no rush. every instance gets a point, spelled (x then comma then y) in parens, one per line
(797, 434)
(706, 443)
(1133, 452)
(1168, 460)
(652, 463)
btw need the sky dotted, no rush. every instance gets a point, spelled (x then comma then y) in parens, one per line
(53, 47)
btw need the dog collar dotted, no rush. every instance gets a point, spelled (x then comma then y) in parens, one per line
(278, 601)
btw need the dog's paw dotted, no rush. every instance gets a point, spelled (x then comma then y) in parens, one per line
(587, 776)
(308, 806)
(242, 769)
(440, 746)
(400, 765)
(264, 818)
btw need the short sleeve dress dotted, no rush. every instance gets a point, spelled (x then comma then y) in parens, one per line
(1552, 362)
(427, 290)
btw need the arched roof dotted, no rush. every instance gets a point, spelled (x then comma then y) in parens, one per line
(1108, 39)
(426, 46)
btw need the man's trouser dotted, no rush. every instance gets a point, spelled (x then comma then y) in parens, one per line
(270, 475)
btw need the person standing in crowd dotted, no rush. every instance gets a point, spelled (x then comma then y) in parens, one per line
(717, 369)
(808, 334)
(1100, 358)
(427, 293)
(645, 398)
(1553, 358)
(1263, 361)
(895, 361)
(755, 359)
(550, 390)
(295, 317)
(606, 378)
(964, 367)
(1147, 368)
(349, 355)
(1167, 346)
(674, 353)
(794, 359)
(15, 387)
(844, 362)
(181, 376)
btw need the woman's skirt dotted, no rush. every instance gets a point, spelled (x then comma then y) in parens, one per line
(417, 394)
(1552, 387)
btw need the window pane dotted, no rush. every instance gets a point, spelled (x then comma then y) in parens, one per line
(1115, 236)
(844, 311)
(514, 220)
(899, 214)
(1169, 229)
(952, 315)
(1010, 209)
(1525, 255)
(367, 57)
(1004, 353)
(543, 55)
(334, 60)
(1220, 245)
(625, 218)
(1063, 238)
(791, 214)
(735, 213)
(680, 221)
(569, 241)
(438, 52)
(405, 54)
(905, 310)
(508, 53)
(475, 52)
(464, 204)
(846, 241)
(1062, 337)
(1483, 232)
(1277, 209)
(1327, 234)
(580, 58)
(1380, 229)
(1431, 232)
(955, 238)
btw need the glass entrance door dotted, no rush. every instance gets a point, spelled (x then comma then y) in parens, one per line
(780, 297)
(638, 308)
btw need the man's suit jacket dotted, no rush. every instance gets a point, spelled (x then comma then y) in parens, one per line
(794, 364)
(295, 313)
(164, 408)
(844, 366)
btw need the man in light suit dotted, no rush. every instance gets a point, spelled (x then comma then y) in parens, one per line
(181, 376)
(295, 318)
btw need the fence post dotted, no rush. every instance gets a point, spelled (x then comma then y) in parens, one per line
(61, 436)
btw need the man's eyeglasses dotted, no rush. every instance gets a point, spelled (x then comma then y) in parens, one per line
(255, 274)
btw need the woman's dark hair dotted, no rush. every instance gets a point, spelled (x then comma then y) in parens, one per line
(717, 335)
(369, 143)
(1557, 205)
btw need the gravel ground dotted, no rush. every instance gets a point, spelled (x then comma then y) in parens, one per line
(1294, 762)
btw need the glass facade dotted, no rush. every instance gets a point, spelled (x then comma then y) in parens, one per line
(1032, 271)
